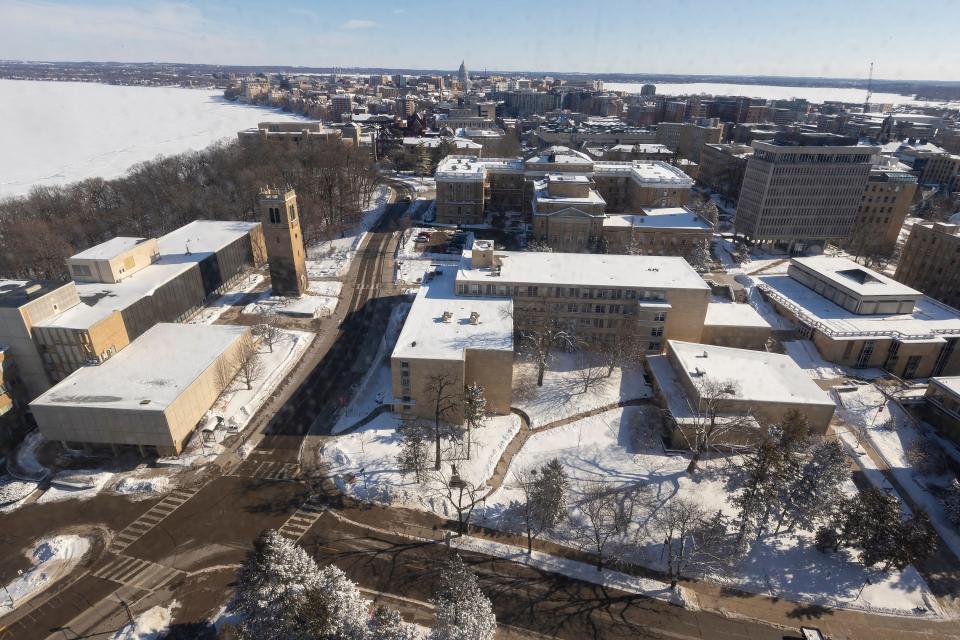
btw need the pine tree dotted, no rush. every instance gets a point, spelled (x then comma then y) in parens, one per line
(816, 493)
(758, 493)
(270, 586)
(871, 522)
(413, 456)
(332, 608)
(918, 541)
(544, 499)
(474, 410)
(462, 611)
(386, 624)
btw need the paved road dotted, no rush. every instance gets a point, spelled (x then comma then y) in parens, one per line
(187, 549)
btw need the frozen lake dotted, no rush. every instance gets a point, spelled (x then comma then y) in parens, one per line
(769, 92)
(60, 132)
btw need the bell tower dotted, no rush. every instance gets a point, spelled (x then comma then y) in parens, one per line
(285, 252)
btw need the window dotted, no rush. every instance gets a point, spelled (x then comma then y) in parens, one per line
(653, 346)
(274, 215)
(661, 316)
(910, 370)
(531, 291)
(656, 332)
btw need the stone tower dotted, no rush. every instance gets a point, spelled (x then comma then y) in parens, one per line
(284, 240)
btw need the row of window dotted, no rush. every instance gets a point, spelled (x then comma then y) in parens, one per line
(534, 291)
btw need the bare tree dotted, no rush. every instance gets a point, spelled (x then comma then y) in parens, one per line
(690, 537)
(461, 494)
(443, 394)
(268, 332)
(589, 372)
(541, 332)
(603, 514)
(623, 349)
(225, 373)
(707, 427)
(248, 363)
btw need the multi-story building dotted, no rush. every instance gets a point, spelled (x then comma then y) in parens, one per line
(341, 107)
(648, 90)
(297, 133)
(930, 261)
(942, 405)
(933, 166)
(639, 152)
(722, 167)
(591, 131)
(687, 138)
(128, 285)
(863, 319)
(523, 103)
(463, 321)
(803, 191)
(886, 202)
(468, 187)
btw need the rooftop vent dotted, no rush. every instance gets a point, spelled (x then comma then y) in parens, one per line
(474, 317)
(446, 317)
(31, 289)
(653, 268)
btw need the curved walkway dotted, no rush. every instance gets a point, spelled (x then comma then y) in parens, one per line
(520, 439)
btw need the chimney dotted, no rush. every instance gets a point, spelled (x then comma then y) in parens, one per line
(474, 317)
(446, 316)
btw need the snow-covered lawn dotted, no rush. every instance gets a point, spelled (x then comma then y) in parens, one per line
(373, 450)
(52, 559)
(152, 624)
(320, 300)
(620, 447)
(562, 394)
(212, 312)
(891, 431)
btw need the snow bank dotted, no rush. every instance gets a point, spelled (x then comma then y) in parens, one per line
(13, 490)
(152, 624)
(80, 484)
(143, 487)
(52, 559)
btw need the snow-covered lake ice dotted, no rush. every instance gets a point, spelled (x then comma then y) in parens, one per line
(60, 132)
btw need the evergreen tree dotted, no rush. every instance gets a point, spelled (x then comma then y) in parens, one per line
(462, 611)
(951, 504)
(871, 522)
(271, 584)
(918, 541)
(759, 492)
(544, 499)
(386, 624)
(474, 410)
(816, 492)
(332, 608)
(413, 456)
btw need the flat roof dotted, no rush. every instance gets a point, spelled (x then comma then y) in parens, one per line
(950, 383)
(761, 376)
(150, 373)
(660, 218)
(98, 300)
(733, 314)
(109, 249)
(847, 274)
(587, 270)
(460, 167)
(426, 336)
(645, 171)
(928, 319)
(16, 293)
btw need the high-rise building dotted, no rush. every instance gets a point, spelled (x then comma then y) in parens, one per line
(284, 240)
(886, 201)
(803, 190)
(340, 104)
(687, 138)
(930, 261)
(648, 90)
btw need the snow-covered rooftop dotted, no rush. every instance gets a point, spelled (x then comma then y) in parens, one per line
(949, 383)
(99, 300)
(648, 172)
(759, 375)
(660, 218)
(455, 167)
(586, 269)
(425, 335)
(733, 314)
(928, 321)
(436, 141)
(150, 373)
(847, 274)
(109, 249)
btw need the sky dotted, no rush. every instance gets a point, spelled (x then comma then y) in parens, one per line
(826, 38)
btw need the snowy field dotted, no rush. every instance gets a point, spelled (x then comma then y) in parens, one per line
(619, 447)
(562, 394)
(212, 312)
(52, 559)
(69, 131)
(320, 301)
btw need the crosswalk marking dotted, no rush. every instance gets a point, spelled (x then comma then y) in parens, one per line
(151, 518)
(268, 470)
(139, 573)
(302, 519)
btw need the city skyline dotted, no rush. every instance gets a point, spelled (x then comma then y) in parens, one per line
(691, 38)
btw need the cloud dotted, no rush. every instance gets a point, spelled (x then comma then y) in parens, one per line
(355, 23)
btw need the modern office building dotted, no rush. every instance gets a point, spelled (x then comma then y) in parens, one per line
(930, 261)
(722, 167)
(150, 396)
(863, 319)
(687, 138)
(803, 191)
(886, 202)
